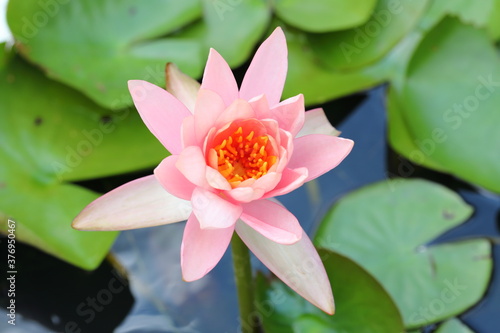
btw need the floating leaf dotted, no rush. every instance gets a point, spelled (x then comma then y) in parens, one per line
(324, 15)
(50, 133)
(361, 303)
(96, 46)
(386, 228)
(307, 75)
(389, 23)
(450, 99)
(453, 326)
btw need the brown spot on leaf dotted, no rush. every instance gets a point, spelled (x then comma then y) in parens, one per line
(38, 121)
(106, 119)
(448, 215)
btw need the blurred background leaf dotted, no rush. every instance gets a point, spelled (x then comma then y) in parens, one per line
(453, 326)
(324, 15)
(448, 101)
(50, 133)
(97, 46)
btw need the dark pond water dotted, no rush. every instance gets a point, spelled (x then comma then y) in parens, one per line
(54, 296)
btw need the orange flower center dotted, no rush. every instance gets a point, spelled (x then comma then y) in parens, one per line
(243, 155)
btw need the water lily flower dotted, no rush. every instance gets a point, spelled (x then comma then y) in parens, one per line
(232, 151)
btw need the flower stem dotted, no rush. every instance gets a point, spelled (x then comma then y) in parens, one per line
(244, 285)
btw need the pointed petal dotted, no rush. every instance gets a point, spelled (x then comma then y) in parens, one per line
(239, 109)
(172, 180)
(267, 71)
(191, 163)
(208, 107)
(212, 211)
(219, 78)
(161, 112)
(183, 87)
(298, 265)
(290, 180)
(290, 114)
(272, 221)
(260, 107)
(138, 204)
(316, 122)
(188, 132)
(319, 153)
(202, 249)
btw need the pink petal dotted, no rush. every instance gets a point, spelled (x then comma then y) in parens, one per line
(239, 109)
(260, 107)
(212, 211)
(202, 249)
(188, 132)
(267, 71)
(290, 180)
(219, 78)
(245, 194)
(183, 87)
(208, 108)
(272, 221)
(319, 153)
(161, 112)
(290, 114)
(216, 180)
(316, 122)
(267, 182)
(172, 180)
(297, 265)
(191, 163)
(138, 204)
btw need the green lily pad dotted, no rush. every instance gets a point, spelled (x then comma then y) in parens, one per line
(386, 227)
(354, 48)
(233, 28)
(453, 326)
(307, 75)
(362, 305)
(400, 137)
(449, 103)
(481, 14)
(324, 15)
(50, 134)
(96, 46)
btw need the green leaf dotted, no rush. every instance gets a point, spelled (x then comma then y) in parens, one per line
(96, 46)
(362, 305)
(58, 134)
(449, 103)
(400, 137)
(233, 27)
(50, 133)
(477, 13)
(307, 75)
(453, 326)
(386, 227)
(324, 15)
(494, 21)
(389, 23)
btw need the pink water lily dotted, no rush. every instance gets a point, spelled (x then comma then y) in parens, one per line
(232, 151)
